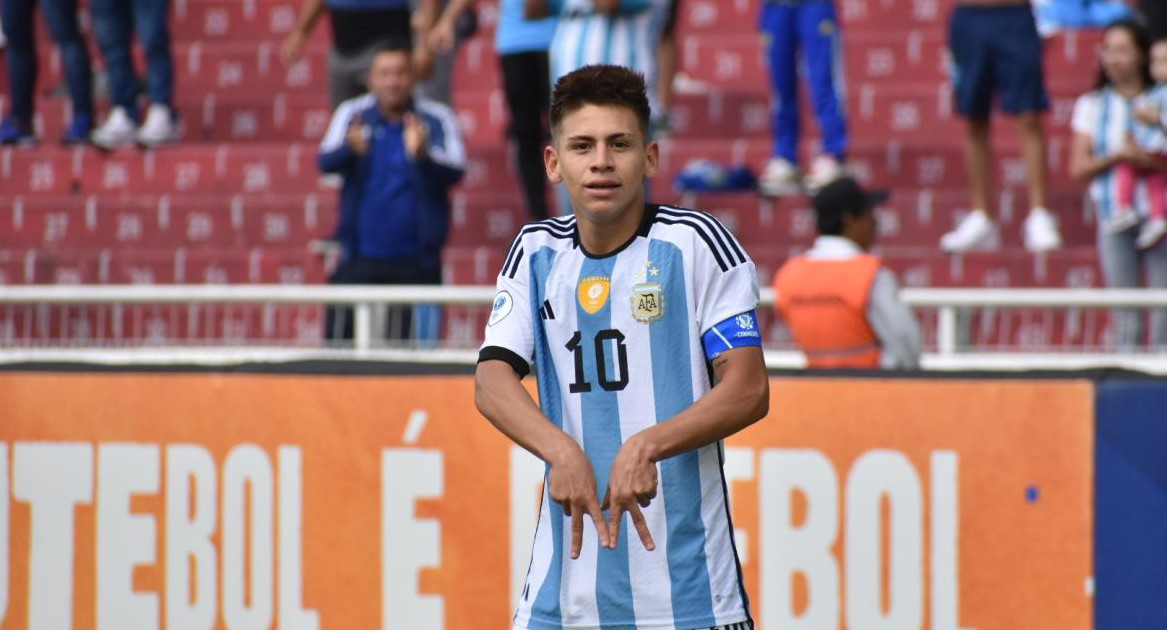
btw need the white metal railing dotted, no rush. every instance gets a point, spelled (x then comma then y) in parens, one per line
(948, 304)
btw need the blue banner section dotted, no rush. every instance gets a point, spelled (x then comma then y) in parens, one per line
(1131, 506)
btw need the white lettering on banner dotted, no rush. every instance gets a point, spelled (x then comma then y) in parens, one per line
(4, 529)
(875, 475)
(807, 548)
(944, 542)
(247, 465)
(188, 537)
(53, 478)
(739, 466)
(125, 540)
(527, 473)
(292, 615)
(409, 544)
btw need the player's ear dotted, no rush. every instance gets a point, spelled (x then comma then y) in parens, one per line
(652, 159)
(551, 163)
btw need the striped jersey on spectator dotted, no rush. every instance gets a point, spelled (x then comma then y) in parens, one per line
(1107, 118)
(628, 38)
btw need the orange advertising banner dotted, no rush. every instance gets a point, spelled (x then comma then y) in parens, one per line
(195, 500)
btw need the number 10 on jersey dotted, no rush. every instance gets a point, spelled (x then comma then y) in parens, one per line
(605, 342)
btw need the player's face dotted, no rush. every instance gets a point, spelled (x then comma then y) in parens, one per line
(601, 155)
(391, 79)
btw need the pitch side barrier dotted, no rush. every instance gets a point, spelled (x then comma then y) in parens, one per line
(359, 494)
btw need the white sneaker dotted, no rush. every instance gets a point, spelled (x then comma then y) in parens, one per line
(1121, 220)
(780, 177)
(1041, 231)
(824, 170)
(116, 131)
(976, 231)
(1151, 233)
(159, 127)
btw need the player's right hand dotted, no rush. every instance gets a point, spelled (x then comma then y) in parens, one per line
(573, 485)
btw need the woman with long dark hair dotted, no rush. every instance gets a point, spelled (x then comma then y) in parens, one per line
(1102, 121)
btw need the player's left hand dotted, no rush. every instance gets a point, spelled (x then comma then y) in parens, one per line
(632, 484)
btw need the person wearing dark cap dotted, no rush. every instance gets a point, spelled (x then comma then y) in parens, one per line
(839, 302)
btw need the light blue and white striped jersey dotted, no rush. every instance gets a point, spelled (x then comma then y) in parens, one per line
(616, 344)
(1106, 117)
(586, 37)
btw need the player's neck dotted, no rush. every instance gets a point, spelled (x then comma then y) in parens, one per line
(603, 238)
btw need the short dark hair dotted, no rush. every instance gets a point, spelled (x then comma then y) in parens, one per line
(394, 44)
(615, 86)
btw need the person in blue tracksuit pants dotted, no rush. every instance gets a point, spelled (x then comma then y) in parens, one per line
(811, 26)
(399, 157)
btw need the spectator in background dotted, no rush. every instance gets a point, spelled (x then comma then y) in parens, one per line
(1149, 135)
(16, 16)
(1102, 119)
(811, 26)
(607, 32)
(840, 303)
(399, 156)
(522, 53)
(358, 28)
(442, 25)
(997, 52)
(114, 24)
(667, 54)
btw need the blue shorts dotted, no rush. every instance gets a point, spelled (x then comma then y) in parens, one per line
(996, 51)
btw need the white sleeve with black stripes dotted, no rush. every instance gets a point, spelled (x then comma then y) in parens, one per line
(724, 278)
(510, 329)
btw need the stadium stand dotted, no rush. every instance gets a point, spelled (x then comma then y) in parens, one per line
(239, 199)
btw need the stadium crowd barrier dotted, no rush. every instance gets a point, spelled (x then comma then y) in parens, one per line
(947, 314)
(372, 495)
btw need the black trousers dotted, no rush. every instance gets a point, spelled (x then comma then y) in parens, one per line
(526, 79)
(338, 320)
(1156, 13)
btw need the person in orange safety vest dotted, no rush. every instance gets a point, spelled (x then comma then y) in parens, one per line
(839, 302)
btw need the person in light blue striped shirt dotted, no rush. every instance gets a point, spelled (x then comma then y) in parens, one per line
(639, 321)
(616, 32)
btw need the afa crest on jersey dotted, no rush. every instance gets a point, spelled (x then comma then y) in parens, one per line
(593, 293)
(648, 302)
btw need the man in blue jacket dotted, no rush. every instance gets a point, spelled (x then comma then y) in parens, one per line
(398, 156)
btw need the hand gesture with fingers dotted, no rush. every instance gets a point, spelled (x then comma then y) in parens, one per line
(357, 137)
(416, 137)
(631, 486)
(573, 485)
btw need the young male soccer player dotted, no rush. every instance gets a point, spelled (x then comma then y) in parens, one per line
(639, 322)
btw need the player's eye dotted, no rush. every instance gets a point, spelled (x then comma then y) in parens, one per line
(621, 144)
(578, 146)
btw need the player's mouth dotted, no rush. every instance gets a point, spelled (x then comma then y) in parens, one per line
(605, 188)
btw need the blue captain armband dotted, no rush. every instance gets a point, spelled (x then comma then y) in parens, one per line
(739, 331)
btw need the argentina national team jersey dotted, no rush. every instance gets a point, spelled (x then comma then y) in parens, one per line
(616, 344)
